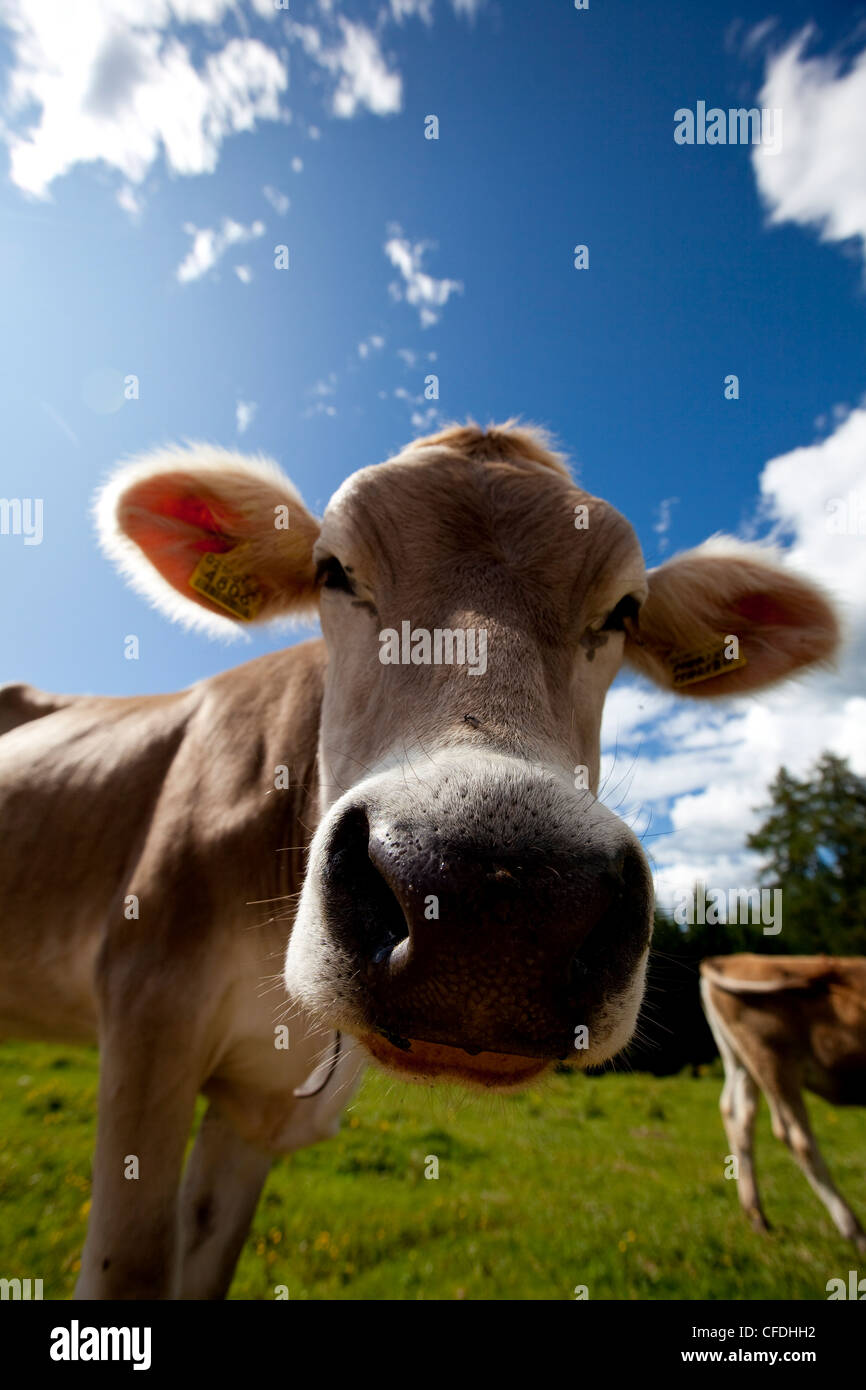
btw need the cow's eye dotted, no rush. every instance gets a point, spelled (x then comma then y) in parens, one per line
(331, 575)
(627, 609)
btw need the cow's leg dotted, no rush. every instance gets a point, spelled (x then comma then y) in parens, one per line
(739, 1106)
(226, 1171)
(792, 1119)
(147, 1094)
(221, 1187)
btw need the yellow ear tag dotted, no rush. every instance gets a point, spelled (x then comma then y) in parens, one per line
(703, 664)
(221, 579)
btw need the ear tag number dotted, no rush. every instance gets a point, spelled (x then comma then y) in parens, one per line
(220, 578)
(704, 664)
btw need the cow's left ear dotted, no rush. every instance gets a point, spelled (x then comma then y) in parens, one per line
(214, 538)
(726, 619)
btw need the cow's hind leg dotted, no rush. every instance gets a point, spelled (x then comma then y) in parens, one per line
(739, 1107)
(221, 1187)
(791, 1123)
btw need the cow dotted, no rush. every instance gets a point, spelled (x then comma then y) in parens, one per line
(419, 840)
(784, 1024)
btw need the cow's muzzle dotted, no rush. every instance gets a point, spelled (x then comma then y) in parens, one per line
(509, 925)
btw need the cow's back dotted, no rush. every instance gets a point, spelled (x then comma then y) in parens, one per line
(812, 1015)
(77, 782)
(20, 703)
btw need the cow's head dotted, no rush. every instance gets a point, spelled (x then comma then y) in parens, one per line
(469, 904)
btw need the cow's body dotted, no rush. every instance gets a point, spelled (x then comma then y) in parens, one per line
(162, 797)
(784, 1024)
(420, 842)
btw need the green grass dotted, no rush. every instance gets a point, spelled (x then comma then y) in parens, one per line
(614, 1183)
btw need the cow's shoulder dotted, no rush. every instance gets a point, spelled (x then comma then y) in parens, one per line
(248, 754)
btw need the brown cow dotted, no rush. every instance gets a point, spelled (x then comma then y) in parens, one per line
(424, 778)
(782, 1024)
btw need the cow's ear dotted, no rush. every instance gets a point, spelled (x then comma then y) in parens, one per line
(213, 538)
(726, 619)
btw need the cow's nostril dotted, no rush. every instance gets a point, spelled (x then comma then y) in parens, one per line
(358, 892)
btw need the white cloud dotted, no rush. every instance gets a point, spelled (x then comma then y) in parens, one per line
(662, 524)
(356, 60)
(818, 178)
(209, 245)
(326, 386)
(129, 200)
(280, 202)
(244, 415)
(104, 80)
(412, 9)
(807, 492)
(244, 274)
(297, 164)
(425, 419)
(322, 390)
(419, 289)
(125, 82)
(374, 343)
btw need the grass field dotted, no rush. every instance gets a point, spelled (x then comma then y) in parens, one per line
(615, 1183)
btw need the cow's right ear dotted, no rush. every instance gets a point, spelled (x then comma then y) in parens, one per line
(213, 538)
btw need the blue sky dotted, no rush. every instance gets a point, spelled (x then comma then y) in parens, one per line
(556, 128)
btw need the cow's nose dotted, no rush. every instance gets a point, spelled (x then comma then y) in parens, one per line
(461, 896)
(483, 942)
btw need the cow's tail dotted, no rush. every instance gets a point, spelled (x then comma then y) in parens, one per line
(728, 1050)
